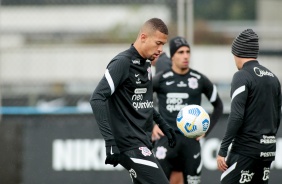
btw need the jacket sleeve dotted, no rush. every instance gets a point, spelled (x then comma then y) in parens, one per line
(239, 94)
(158, 118)
(116, 72)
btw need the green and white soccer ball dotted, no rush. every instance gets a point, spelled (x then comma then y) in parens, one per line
(193, 121)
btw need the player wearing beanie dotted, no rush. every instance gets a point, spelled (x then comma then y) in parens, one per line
(246, 45)
(177, 87)
(254, 118)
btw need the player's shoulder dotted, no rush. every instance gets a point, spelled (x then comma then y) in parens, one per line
(166, 74)
(163, 76)
(243, 73)
(124, 59)
(125, 55)
(197, 74)
(242, 77)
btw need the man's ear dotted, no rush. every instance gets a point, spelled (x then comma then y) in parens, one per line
(143, 37)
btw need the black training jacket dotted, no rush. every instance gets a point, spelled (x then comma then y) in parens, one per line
(255, 113)
(122, 102)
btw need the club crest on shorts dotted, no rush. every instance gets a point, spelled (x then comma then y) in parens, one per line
(145, 151)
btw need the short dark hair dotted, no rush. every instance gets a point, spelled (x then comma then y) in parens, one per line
(157, 25)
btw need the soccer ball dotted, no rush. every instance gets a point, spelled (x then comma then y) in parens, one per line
(193, 121)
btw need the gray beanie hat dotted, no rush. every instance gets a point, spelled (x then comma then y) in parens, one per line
(246, 44)
(175, 43)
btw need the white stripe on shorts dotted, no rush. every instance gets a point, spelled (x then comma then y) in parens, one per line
(228, 171)
(144, 162)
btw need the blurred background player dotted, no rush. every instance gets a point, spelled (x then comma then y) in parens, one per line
(123, 106)
(254, 118)
(165, 63)
(177, 87)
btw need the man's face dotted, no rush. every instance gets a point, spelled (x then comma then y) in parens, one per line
(181, 58)
(152, 44)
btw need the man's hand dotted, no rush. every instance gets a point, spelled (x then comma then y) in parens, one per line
(200, 137)
(221, 164)
(113, 156)
(156, 133)
(169, 132)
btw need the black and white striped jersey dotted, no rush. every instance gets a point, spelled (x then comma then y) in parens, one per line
(122, 102)
(255, 113)
(175, 91)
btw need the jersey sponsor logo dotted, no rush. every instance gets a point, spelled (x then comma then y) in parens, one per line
(140, 90)
(267, 154)
(137, 97)
(136, 61)
(177, 95)
(136, 75)
(181, 84)
(167, 74)
(143, 105)
(266, 174)
(161, 152)
(259, 72)
(175, 107)
(193, 83)
(168, 83)
(174, 101)
(268, 139)
(145, 151)
(246, 177)
(138, 104)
